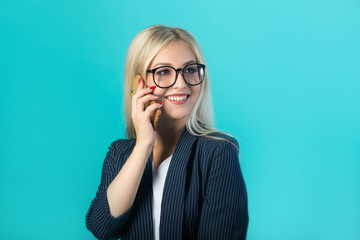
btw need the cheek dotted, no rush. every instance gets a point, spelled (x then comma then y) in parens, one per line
(159, 91)
(196, 93)
(149, 82)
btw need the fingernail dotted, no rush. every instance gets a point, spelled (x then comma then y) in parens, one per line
(151, 88)
(139, 79)
(161, 103)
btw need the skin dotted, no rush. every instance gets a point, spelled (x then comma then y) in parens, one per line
(162, 142)
(173, 119)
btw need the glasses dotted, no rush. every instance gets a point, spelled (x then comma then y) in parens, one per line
(166, 76)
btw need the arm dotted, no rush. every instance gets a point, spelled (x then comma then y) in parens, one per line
(224, 214)
(112, 205)
(110, 209)
(98, 218)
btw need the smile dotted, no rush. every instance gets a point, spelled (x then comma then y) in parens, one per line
(178, 99)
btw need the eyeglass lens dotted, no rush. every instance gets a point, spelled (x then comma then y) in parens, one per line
(165, 76)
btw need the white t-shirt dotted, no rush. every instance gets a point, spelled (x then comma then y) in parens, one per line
(158, 181)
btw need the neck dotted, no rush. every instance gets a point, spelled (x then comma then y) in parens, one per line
(167, 135)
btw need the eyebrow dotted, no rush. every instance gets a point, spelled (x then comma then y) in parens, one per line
(169, 64)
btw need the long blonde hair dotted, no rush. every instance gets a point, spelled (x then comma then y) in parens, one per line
(142, 50)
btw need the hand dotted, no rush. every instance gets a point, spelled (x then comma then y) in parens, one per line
(145, 133)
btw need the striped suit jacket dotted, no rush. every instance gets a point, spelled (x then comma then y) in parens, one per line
(204, 194)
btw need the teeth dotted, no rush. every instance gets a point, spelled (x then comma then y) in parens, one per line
(177, 98)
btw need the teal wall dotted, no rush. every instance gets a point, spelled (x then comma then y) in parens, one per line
(285, 82)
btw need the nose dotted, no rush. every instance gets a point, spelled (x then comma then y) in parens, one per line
(180, 82)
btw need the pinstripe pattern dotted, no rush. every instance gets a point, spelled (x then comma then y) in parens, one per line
(204, 194)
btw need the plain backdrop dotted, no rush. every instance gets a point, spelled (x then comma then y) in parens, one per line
(285, 82)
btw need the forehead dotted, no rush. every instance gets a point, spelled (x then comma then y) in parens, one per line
(176, 53)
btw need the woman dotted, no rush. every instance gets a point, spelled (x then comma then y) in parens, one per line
(182, 180)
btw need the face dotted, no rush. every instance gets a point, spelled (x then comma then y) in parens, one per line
(176, 54)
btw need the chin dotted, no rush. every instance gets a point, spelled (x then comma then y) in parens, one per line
(176, 115)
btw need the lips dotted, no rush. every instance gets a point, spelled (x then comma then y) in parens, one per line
(178, 98)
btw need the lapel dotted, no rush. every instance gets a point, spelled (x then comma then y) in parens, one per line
(145, 223)
(172, 206)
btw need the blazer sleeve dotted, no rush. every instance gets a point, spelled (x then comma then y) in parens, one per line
(98, 218)
(224, 214)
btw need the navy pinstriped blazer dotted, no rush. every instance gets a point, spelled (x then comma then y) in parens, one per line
(204, 194)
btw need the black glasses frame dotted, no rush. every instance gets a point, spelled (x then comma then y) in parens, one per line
(176, 76)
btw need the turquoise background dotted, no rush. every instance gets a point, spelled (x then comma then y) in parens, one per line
(285, 82)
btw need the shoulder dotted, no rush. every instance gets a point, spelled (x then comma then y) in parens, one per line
(120, 149)
(218, 154)
(122, 144)
(218, 141)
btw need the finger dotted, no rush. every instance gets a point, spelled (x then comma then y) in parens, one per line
(135, 95)
(140, 93)
(150, 109)
(143, 100)
(144, 91)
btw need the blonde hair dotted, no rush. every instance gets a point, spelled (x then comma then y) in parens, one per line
(143, 48)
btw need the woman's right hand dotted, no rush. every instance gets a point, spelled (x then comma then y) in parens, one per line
(122, 190)
(145, 133)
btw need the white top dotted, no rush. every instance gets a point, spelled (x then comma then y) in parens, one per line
(158, 181)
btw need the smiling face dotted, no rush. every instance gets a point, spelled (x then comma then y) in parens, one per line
(180, 98)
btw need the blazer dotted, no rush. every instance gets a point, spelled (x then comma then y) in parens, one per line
(204, 194)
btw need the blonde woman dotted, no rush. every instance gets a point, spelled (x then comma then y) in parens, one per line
(183, 179)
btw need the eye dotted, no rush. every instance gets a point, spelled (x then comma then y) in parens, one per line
(163, 71)
(191, 69)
